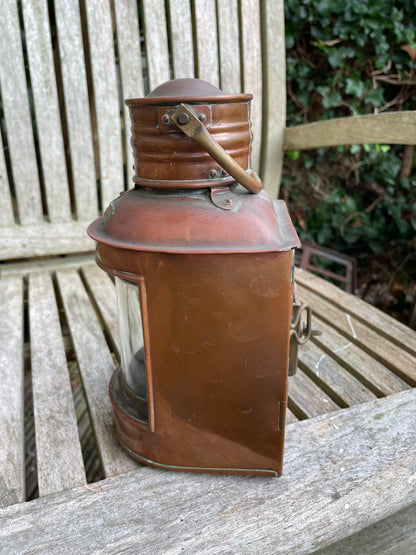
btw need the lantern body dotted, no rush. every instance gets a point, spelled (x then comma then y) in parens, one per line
(204, 280)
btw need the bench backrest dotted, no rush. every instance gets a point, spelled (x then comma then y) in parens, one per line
(65, 69)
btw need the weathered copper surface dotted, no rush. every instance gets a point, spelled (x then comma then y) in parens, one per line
(213, 265)
(165, 157)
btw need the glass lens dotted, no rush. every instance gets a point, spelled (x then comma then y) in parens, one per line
(131, 337)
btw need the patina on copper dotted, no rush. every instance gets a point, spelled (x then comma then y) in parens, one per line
(213, 265)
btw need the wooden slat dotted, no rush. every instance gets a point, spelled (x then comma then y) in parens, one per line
(6, 214)
(17, 117)
(44, 240)
(395, 534)
(54, 414)
(48, 121)
(107, 103)
(131, 71)
(206, 41)
(252, 71)
(49, 264)
(229, 41)
(156, 41)
(96, 367)
(400, 362)
(306, 400)
(343, 472)
(391, 128)
(372, 373)
(12, 454)
(384, 324)
(101, 288)
(181, 39)
(77, 109)
(330, 376)
(274, 94)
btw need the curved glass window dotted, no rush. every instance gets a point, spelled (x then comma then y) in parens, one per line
(132, 344)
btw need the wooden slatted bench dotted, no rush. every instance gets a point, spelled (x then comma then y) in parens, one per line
(350, 449)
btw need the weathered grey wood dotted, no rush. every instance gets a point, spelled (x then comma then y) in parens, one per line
(396, 359)
(229, 46)
(386, 326)
(12, 455)
(17, 117)
(48, 121)
(78, 120)
(102, 290)
(107, 102)
(206, 41)
(58, 451)
(6, 214)
(306, 400)
(391, 128)
(49, 264)
(181, 39)
(331, 377)
(274, 94)
(343, 472)
(369, 371)
(96, 366)
(252, 71)
(131, 71)
(156, 42)
(393, 535)
(44, 239)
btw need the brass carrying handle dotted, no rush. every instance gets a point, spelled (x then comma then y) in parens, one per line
(188, 122)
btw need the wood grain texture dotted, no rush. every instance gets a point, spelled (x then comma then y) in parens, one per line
(343, 472)
(385, 325)
(12, 454)
(181, 39)
(336, 348)
(252, 71)
(332, 377)
(6, 214)
(102, 290)
(156, 42)
(274, 94)
(44, 240)
(229, 49)
(48, 120)
(392, 128)
(77, 110)
(306, 400)
(96, 366)
(18, 118)
(206, 41)
(393, 535)
(106, 96)
(402, 363)
(56, 427)
(131, 71)
(48, 264)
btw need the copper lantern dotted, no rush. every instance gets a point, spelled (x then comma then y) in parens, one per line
(203, 264)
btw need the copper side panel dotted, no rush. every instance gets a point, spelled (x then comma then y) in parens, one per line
(219, 327)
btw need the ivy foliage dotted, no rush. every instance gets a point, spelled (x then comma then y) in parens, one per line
(348, 57)
(353, 57)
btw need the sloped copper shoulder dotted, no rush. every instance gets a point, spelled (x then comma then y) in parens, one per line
(182, 222)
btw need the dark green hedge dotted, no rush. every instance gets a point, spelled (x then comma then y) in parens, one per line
(347, 57)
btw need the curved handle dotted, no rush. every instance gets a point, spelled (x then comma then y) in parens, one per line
(188, 122)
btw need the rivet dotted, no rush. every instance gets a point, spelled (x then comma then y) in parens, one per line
(229, 201)
(165, 118)
(202, 117)
(224, 173)
(213, 173)
(183, 119)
